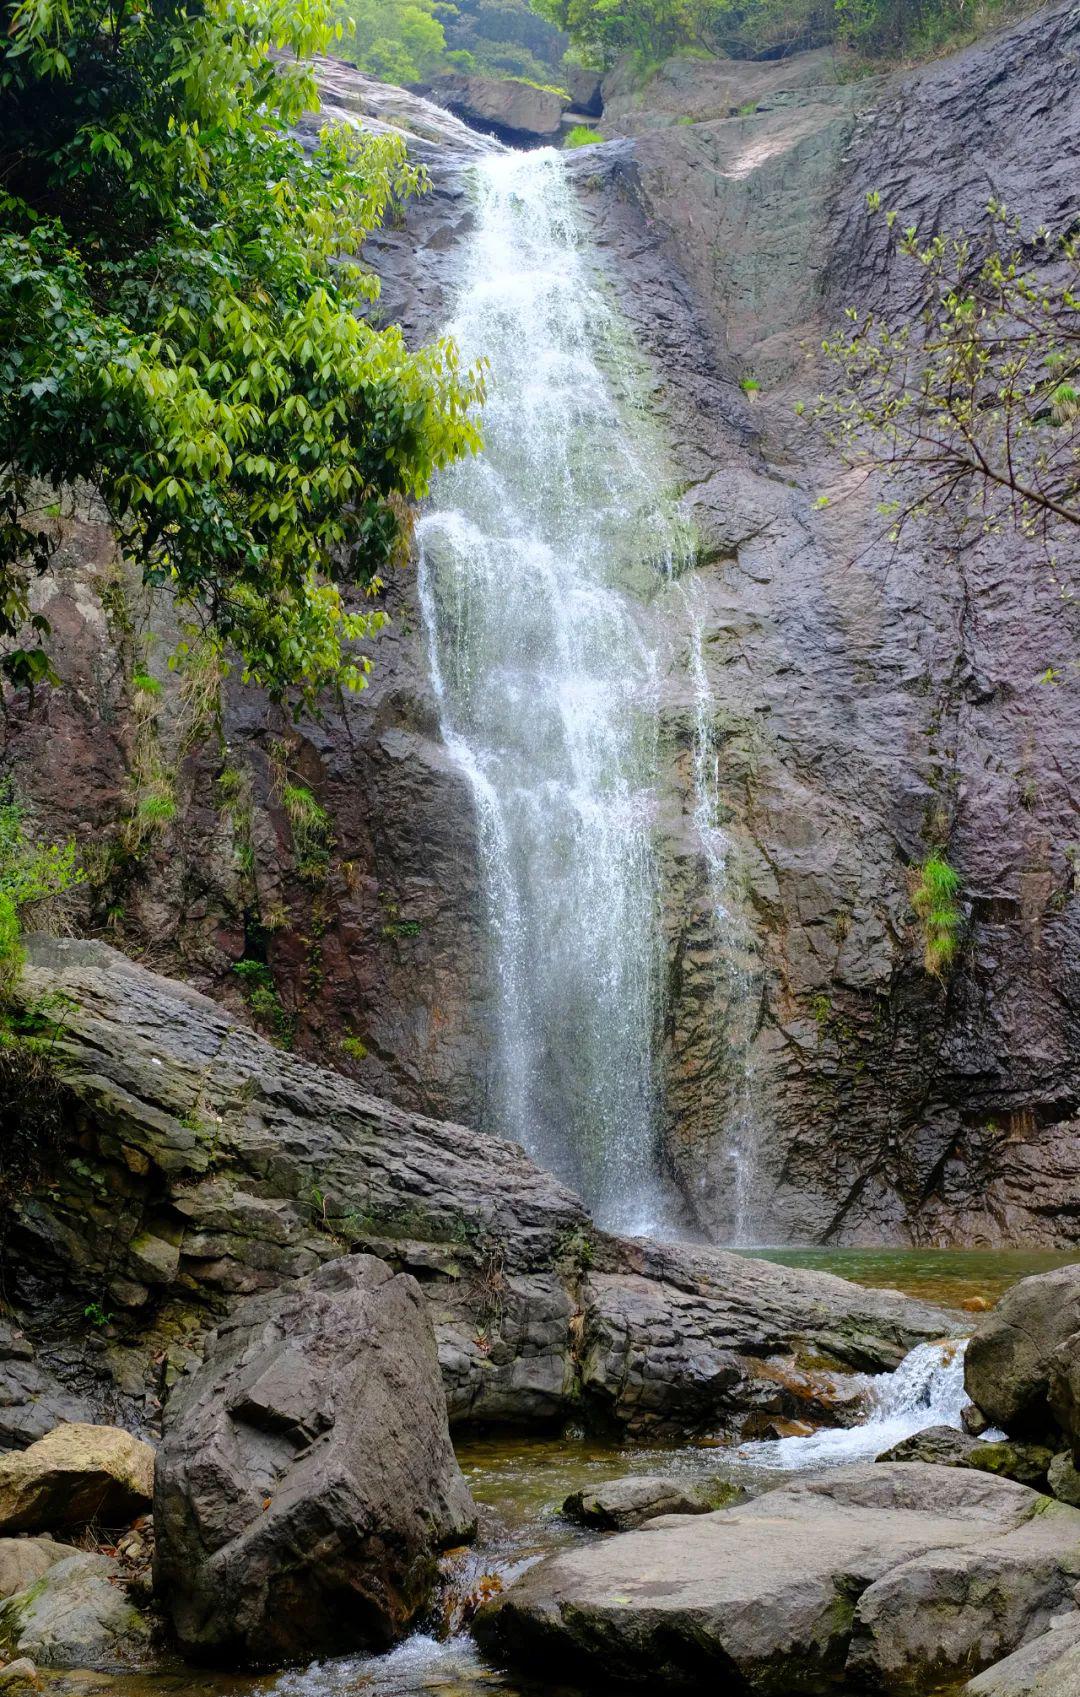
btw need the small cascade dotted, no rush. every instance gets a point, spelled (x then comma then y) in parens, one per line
(927, 1389)
(731, 941)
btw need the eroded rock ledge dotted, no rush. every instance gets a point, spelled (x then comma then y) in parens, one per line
(196, 1163)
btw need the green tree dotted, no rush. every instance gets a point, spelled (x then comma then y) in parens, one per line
(400, 41)
(181, 327)
(971, 402)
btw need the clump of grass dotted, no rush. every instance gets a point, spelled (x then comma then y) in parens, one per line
(312, 832)
(582, 135)
(933, 896)
(749, 385)
(353, 1047)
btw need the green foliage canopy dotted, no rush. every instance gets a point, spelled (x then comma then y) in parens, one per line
(400, 41)
(181, 329)
(654, 29)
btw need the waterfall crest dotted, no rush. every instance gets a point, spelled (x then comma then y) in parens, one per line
(536, 559)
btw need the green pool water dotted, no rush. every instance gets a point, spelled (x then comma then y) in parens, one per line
(949, 1276)
(519, 1484)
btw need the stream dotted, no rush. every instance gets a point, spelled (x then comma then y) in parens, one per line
(519, 1484)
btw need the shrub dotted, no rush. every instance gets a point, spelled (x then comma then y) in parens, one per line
(933, 897)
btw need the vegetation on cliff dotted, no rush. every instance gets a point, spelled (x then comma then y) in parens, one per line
(654, 29)
(406, 41)
(973, 399)
(181, 328)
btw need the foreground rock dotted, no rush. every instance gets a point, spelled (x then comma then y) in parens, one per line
(23, 1561)
(1047, 1667)
(896, 1578)
(212, 1165)
(621, 1504)
(77, 1615)
(1014, 1352)
(74, 1476)
(19, 1677)
(306, 1481)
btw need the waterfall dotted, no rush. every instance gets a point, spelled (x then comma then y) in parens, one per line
(536, 562)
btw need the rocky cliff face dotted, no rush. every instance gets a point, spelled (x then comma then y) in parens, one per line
(861, 701)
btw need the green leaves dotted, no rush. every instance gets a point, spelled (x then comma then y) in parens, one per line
(179, 289)
(973, 403)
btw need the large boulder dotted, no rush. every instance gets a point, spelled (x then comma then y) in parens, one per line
(1008, 1362)
(74, 1475)
(306, 1481)
(514, 111)
(77, 1615)
(1063, 1391)
(895, 1577)
(1049, 1666)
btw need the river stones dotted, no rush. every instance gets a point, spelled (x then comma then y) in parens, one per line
(306, 1481)
(1011, 1356)
(898, 1575)
(74, 1475)
(620, 1504)
(941, 1444)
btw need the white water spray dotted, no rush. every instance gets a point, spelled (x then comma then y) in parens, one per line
(536, 559)
(927, 1389)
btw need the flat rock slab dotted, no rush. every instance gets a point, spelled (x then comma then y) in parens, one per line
(894, 1575)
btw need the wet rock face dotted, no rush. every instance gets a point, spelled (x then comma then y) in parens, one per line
(307, 1481)
(865, 698)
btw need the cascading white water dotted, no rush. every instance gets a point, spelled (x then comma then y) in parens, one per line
(536, 558)
(927, 1389)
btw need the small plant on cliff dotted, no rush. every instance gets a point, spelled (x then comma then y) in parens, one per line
(933, 896)
(312, 831)
(33, 878)
(582, 136)
(264, 1001)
